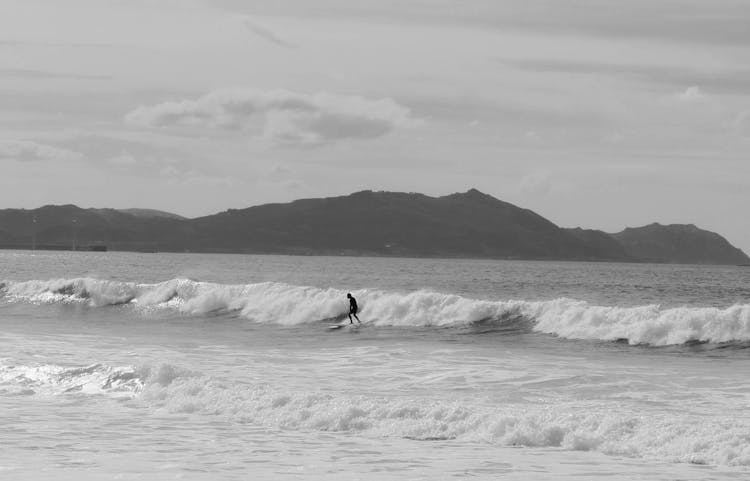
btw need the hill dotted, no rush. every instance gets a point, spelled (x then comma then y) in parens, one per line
(602, 245)
(65, 226)
(679, 243)
(468, 224)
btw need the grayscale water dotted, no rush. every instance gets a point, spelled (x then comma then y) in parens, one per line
(163, 366)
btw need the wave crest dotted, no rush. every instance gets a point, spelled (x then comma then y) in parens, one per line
(285, 304)
(650, 324)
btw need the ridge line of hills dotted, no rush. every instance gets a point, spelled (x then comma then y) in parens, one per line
(469, 224)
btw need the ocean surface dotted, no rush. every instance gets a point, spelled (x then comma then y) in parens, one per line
(190, 366)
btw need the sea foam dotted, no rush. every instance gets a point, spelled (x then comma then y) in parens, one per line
(285, 304)
(53, 379)
(606, 427)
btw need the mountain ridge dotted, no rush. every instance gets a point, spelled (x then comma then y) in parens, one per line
(464, 224)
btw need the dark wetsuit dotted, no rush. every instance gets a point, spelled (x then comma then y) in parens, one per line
(353, 308)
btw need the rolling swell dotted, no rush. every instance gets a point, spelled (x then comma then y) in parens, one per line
(279, 303)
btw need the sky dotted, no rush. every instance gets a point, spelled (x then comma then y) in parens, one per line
(600, 114)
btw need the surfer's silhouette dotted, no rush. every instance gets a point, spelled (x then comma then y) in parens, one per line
(353, 309)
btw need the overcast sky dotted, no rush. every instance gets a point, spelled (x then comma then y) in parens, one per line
(594, 113)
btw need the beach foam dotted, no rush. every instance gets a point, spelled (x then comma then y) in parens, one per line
(604, 427)
(53, 379)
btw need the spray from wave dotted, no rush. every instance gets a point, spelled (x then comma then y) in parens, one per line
(271, 302)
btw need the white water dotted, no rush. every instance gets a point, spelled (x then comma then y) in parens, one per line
(607, 426)
(285, 304)
(111, 375)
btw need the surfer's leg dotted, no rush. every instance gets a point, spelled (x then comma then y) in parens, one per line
(350, 318)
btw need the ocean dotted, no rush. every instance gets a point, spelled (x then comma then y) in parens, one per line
(213, 366)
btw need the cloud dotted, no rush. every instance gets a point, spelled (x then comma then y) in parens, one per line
(742, 124)
(615, 138)
(12, 43)
(693, 105)
(267, 34)
(280, 173)
(532, 137)
(147, 165)
(137, 158)
(151, 165)
(536, 184)
(718, 22)
(294, 185)
(281, 116)
(691, 95)
(48, 74)
(732, 80)
(27, 151)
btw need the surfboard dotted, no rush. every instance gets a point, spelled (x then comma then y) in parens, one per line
(339, 326)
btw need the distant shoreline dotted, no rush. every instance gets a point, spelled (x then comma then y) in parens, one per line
(374, 255)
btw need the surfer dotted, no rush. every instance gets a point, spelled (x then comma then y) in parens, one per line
(352, 309)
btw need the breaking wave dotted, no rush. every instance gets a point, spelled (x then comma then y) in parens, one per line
(606, 428)
(271, 302)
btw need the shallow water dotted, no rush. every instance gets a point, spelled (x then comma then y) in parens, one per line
(156, 366)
